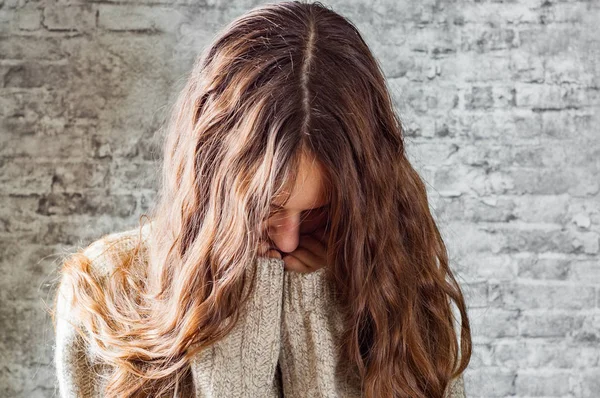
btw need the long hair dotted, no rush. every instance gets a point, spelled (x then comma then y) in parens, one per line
(283, 80)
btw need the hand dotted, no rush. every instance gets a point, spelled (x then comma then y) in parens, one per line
(311, 254)
(266, 251)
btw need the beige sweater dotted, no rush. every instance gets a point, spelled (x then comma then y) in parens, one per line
(283, 345)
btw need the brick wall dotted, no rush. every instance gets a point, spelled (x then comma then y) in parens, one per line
(500, 102)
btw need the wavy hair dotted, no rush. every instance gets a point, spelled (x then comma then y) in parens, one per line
(282, 80)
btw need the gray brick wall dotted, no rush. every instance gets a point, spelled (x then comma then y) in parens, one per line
(500, 101)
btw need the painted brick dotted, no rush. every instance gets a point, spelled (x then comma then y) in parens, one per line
(499, 100)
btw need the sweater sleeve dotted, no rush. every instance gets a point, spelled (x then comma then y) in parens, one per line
(81, 373)
(244, 362)
(310, 336)
(79, 376)
(456, 388)
(311, 330)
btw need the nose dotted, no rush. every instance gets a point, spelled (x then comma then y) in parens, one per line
(284, 234)
(284, 243)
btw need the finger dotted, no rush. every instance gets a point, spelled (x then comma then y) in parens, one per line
(303, 260)
(293, 263)
(265, 250)
(274, 254)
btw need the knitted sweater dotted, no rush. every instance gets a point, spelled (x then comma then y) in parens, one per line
(284, 343)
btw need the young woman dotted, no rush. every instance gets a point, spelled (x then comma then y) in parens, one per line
(291, 250)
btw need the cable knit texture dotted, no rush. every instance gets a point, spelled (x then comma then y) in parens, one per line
(244, 362)
(284, 344)
(311, 331)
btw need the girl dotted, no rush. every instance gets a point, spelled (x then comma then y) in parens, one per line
(291, 250)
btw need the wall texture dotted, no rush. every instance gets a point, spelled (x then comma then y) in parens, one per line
(501, 104)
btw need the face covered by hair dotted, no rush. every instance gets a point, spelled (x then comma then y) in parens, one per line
(296, 229)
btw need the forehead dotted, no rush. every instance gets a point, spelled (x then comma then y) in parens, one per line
(309, 189)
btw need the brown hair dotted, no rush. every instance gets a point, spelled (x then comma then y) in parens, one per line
(282, 79)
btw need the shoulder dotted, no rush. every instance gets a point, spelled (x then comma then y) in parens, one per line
(92, 265)
(83, 275)
(111, 250)
(456, 388)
